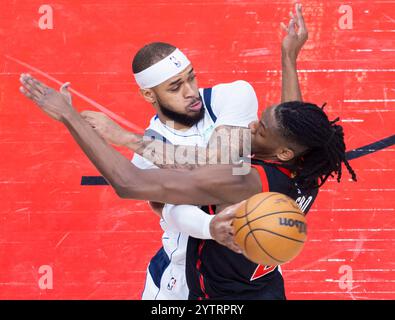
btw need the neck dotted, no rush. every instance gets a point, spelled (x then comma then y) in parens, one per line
(264, 157)
(270, 158)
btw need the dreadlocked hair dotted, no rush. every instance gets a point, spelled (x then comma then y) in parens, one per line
(307, 125)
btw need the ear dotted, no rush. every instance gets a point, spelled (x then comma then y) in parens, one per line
(148, 95)
(285, 154)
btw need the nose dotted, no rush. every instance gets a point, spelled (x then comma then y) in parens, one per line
(253, 126)
(189, 91)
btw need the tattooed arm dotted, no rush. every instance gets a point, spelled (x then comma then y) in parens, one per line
(226, 145)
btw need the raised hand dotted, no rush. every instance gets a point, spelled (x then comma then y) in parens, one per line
(297, 34)
(52, 102)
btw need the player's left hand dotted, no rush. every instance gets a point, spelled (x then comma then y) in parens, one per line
(52, 102)
(297, 34)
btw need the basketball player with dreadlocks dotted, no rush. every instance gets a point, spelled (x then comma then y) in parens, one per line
(295, 147)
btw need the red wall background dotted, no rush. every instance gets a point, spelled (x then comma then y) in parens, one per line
(97, 245)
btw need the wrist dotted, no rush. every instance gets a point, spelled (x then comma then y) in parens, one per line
(208, 228)
(69, 115)
(288, 58)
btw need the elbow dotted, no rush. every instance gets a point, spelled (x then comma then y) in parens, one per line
(122, 192)
(125, 189)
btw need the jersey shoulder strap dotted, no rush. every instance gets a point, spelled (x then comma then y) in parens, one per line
(151, 133)
(207, 93)
(262, 176)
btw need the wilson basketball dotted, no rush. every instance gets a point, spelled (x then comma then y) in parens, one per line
(270, 228)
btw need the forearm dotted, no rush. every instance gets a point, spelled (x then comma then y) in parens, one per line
(226, 146)
(206, 185)
(290, 90)
(189, 220)
(110, 163)
(202, 186)
(168, 156)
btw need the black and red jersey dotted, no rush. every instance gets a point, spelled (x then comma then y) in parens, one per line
(215, 272)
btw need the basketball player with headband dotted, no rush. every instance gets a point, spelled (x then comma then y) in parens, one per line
(307, 148)
(186, 115)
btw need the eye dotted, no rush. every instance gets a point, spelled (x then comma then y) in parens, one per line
(192, 77)
(175, 89)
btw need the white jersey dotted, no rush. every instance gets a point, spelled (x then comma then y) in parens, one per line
(232, 104)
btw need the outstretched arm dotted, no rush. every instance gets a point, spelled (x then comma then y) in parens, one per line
(226, 145)
(205, 185)
(291, 46)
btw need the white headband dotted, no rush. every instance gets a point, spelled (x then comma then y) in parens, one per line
(163, 70)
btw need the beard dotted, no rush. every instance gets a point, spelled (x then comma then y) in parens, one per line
(184, 119)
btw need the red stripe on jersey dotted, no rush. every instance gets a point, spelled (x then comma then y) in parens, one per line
(262, 175)
(279, 167)
(199, 262)
(286, 171)
(198, 265)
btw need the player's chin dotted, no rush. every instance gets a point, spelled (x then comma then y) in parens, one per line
(253, 144)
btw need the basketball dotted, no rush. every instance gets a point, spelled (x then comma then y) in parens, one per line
(270, 228)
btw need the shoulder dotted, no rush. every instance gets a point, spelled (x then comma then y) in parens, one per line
(234, 103)
(239, 93)
(239, 88)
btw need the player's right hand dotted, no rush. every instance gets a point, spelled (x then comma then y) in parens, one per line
(53, 103)
(221, 228)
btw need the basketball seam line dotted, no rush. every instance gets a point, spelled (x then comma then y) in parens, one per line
(249, 227)
(277, 234)
(260, 246)
(260, 202)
